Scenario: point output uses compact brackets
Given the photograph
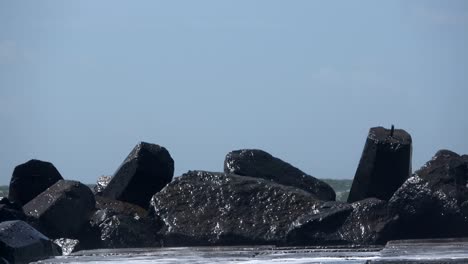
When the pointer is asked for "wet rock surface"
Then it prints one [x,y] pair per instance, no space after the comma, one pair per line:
[369,223]
[448,172]
[145,171]
[21,243]
[207,208]
[319,226]
[118,224]
[384,165]
[258,163]
[426,213]
[124,230]
[30,179]
[366,222]
[62,209]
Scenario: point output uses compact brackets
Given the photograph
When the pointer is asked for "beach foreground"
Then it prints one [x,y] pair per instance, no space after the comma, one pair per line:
[402,251]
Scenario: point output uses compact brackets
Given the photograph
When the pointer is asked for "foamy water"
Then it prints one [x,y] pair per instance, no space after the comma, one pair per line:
[252,255]
[266,254]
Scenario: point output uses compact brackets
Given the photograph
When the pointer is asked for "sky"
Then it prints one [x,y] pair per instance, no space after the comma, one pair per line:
[82,82]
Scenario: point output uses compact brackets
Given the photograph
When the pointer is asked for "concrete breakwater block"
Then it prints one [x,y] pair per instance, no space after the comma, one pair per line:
[21,243]
[447,171]
[260,164]
[146,170]
[30,179]
[385,164]
[203,208]
[62,209]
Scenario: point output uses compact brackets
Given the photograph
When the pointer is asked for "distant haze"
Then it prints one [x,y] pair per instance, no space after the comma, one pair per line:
[82,82]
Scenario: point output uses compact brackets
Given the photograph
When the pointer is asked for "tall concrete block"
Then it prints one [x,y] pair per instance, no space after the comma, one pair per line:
[384,166]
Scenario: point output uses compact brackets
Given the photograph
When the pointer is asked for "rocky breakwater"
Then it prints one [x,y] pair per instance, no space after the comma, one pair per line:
[121,219]
[386,206]
[68,214]
[258,199]
[268,202]
[203,208]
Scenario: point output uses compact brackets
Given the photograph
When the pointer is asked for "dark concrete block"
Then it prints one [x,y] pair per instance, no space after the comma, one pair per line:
[146,170]
[426,213]
[207,208]
[62,209]
[21,243]
[366,222]
[30,179]
[258,163]
[320,226]
[370,223]
[125,230]
[448,172]
[385,164]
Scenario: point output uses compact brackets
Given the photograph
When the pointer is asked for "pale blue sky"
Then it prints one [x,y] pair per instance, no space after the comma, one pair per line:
[82,82]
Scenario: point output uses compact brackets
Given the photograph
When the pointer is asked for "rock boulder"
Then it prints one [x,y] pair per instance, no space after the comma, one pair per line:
[385,164]
[206,208]
[124,229]
[30,179]
[448,172]
[369,223]
[21,243]
[117,224]
[145,171]
[366,222]
[319,226]
[426,213]
[260,164]
[62,209]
